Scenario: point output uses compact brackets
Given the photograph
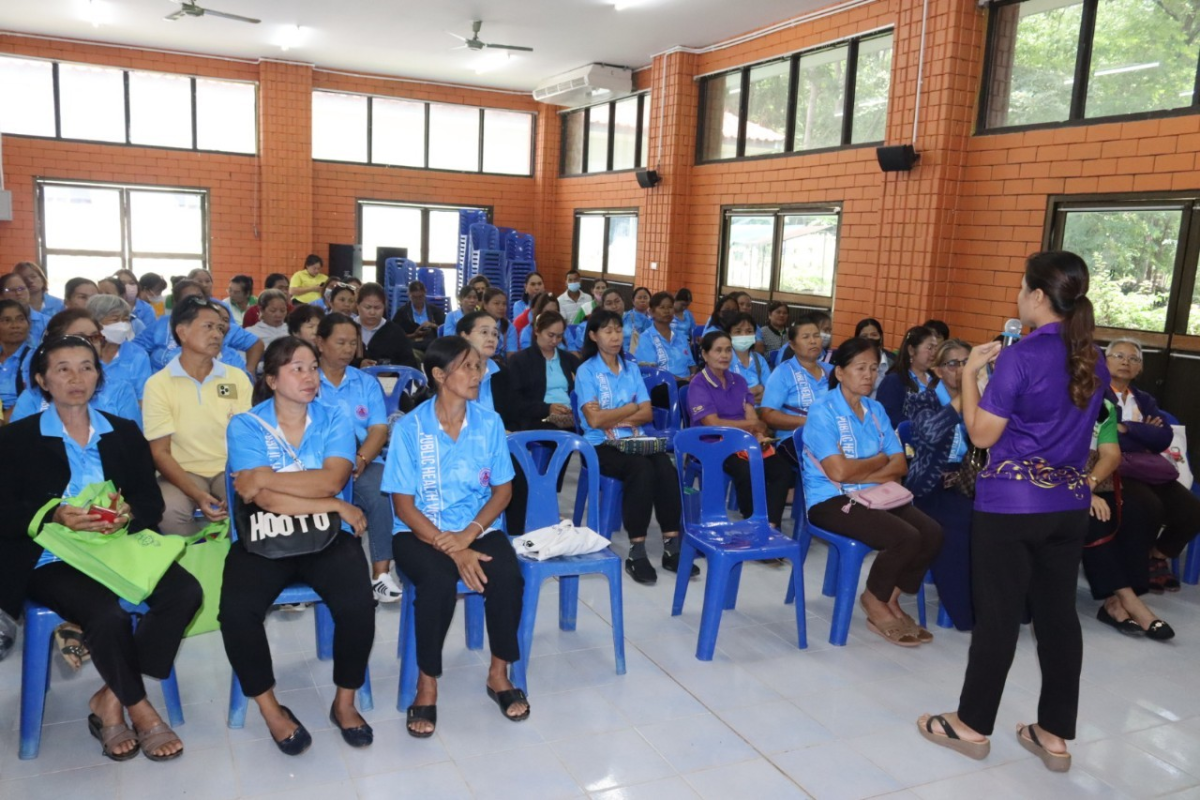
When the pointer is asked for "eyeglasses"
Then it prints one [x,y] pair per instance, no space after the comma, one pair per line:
[957,363]
[1124,357]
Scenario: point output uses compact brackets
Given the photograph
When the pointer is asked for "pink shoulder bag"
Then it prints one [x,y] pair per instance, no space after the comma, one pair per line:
[881,497]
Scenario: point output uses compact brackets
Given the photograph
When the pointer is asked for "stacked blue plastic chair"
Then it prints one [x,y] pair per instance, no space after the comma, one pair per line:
[435,287]
[727,544]
[542,510]
[612,491]
[466,218]
[406,379]
[843,564]
[398,274]
[517,272]
[295,594]
[40,623]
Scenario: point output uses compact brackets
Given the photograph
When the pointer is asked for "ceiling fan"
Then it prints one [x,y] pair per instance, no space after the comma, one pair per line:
[189,8]
[475,43]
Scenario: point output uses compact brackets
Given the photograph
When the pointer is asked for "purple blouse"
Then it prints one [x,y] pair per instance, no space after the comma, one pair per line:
[707,396]
[1037,464]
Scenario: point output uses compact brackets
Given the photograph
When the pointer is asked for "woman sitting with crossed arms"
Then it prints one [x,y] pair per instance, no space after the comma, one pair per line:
[796,383]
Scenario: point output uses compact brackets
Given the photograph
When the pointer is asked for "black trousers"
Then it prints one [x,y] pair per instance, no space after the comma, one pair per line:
[907,541]
[339,574]
[647,482]
[780,479]
[1174,507]
[1017,558]
[1120,562]
[121,654]
[435,576]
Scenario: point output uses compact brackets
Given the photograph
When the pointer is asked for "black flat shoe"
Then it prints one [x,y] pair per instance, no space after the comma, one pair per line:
[1125,626]
[506,699]
[670,562]
[422,714]
[1160,631]
[299,741]
[361,736]
[641,570]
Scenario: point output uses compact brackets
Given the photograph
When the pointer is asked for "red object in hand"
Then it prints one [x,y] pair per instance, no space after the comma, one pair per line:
[106,514]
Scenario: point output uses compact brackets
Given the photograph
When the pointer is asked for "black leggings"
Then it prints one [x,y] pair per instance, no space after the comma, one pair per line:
[1169,505]
[121,654]
[647,482]
[780,479]
[435,576]
[339,574]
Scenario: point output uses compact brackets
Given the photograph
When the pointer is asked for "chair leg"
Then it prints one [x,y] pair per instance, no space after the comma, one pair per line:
[35,679]
[170,690]
[616,604]
[921,618]
[366,699]
[716,588]
[568,602]
[829,589]
[687,554]
[943,619]
[796,590]
[474,621]
[237,704]
[408,651]
[580,502]
[735,580]
[324,624]
[519,671]
[849,568]
[1191,567]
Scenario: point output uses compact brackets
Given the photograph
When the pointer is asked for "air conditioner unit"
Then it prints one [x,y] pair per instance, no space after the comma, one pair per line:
[585,85]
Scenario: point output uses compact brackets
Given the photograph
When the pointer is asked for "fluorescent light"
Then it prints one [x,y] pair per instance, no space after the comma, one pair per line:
[96,12]
[1132,68]
[291,36]
[622,5]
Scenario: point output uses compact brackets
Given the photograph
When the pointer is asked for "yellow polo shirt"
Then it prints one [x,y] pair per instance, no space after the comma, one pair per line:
[302,278]
[195,414]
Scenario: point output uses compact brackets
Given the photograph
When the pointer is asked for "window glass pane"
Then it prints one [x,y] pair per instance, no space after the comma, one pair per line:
[573,144]
[597,139]
[645,157]
[160,109]
[766,113]
[625,122]
[165,266]
[397,132]
[1131,254]
[1033,62]
[589,257]
[507,141]
[809,253]
[622,245]
[26,96]
[61,268]
[166,222]
[82,218]
[1143,57]
[453,137]
[821,99]
[872,79]
[391,226]
[91,102]
[751,245]
[339,126]
[443,238]
[722,102]
[226,116]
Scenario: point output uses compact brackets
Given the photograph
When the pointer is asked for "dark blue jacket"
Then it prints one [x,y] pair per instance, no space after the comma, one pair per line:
[932,434]
[1142,437]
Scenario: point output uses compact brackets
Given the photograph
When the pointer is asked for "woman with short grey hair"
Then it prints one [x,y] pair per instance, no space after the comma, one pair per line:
[122,359]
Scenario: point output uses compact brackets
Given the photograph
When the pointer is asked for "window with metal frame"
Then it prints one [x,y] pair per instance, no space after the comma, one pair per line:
[829,97]
[1056,62]
[396,132]
[94,103]
[606,242]
[607,137]
[91,230]
[787,253]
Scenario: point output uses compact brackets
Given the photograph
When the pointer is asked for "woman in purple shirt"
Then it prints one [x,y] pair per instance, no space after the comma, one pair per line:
[1031,509]
[718,396]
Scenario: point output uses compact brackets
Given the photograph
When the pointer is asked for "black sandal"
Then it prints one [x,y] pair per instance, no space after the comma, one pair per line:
[506,698]
[421,714]
[68,638]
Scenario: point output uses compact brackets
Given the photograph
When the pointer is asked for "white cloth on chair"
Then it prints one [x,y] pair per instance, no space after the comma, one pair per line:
[563,539]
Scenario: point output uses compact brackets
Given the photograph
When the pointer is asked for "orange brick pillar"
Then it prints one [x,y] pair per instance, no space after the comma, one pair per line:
[545,193]
[286,167]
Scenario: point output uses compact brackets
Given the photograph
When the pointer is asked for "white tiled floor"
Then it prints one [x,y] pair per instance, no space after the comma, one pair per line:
[762,720]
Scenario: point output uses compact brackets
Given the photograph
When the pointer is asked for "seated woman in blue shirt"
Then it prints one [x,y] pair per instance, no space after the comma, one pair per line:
[638,317]
[612,301]
[534,285]
[12,287]
[71,446]
[718,396]
[910,374]
[14,350]
[940,443]
[661,345]
[479,328]
[725,311]
[871,328]
[121,357]
[495,302]
[614,404]
[748,363]
[291,455]
[36,283]
[468,301]
[450,476]
[360,398]
[683,320]
[156,340]
[546,301]
[849,447]
[797,383]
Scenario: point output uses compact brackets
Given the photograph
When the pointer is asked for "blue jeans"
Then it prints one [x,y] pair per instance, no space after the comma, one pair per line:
[377,506]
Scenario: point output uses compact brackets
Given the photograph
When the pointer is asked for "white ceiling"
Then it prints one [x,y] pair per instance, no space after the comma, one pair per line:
[408,37]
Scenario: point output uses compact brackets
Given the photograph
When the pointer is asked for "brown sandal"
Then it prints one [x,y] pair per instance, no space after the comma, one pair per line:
[950,738]
[895,631]
[911,626]
[155,738]
[112,737]
[1055,762]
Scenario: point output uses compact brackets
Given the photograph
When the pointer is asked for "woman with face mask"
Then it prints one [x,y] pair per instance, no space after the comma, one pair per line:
[122,359]
[746,362]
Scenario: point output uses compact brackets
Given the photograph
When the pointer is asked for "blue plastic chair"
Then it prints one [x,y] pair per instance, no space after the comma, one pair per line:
[843,564]
[40,623]
[406,377]
[407,644]
[726,543]
[666,421]
[612,491]
[542,511]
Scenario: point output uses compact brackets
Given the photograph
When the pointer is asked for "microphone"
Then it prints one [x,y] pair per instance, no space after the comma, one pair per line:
[1012,332]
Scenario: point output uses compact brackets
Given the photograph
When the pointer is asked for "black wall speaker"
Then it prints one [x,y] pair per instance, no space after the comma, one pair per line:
[345,260]
[647,178]
[897,158]
[383,254]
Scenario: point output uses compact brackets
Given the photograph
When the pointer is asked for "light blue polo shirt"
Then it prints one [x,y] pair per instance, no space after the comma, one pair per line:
[51,305]
[84,461]
[792,390]
[684,326]
[130,364]
[833,428]
[674,356]
[37,326]
[758,371]
[144,312]
[637,320]
[595,381]
[360,397]
[485,385]
[506,343]
[449,481]
[9,369]
[161,346]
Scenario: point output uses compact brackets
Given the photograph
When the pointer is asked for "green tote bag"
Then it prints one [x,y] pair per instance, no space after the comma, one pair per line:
[204,557]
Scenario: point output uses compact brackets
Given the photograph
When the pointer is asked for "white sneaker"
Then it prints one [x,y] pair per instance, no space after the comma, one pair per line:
[385,589]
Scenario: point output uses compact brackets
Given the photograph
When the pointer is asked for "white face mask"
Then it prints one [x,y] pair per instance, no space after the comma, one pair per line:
[742,343]
[826,340]
[118,332]
[155,299]
[573,287]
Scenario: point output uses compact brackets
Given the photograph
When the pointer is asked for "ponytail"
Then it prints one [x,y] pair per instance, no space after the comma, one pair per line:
[1064,278]
[1078,327]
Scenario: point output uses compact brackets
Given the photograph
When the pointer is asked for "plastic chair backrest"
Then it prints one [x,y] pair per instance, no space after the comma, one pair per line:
[685,419]
[575,413]
[346,494]
[697,333]
[654,377]
[709,447]
[405,377]
[776,356]
[1168,417]
[904,434]
[542,508]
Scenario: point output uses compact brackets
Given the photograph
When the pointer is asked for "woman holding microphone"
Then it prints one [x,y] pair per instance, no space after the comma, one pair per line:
[1031,509]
